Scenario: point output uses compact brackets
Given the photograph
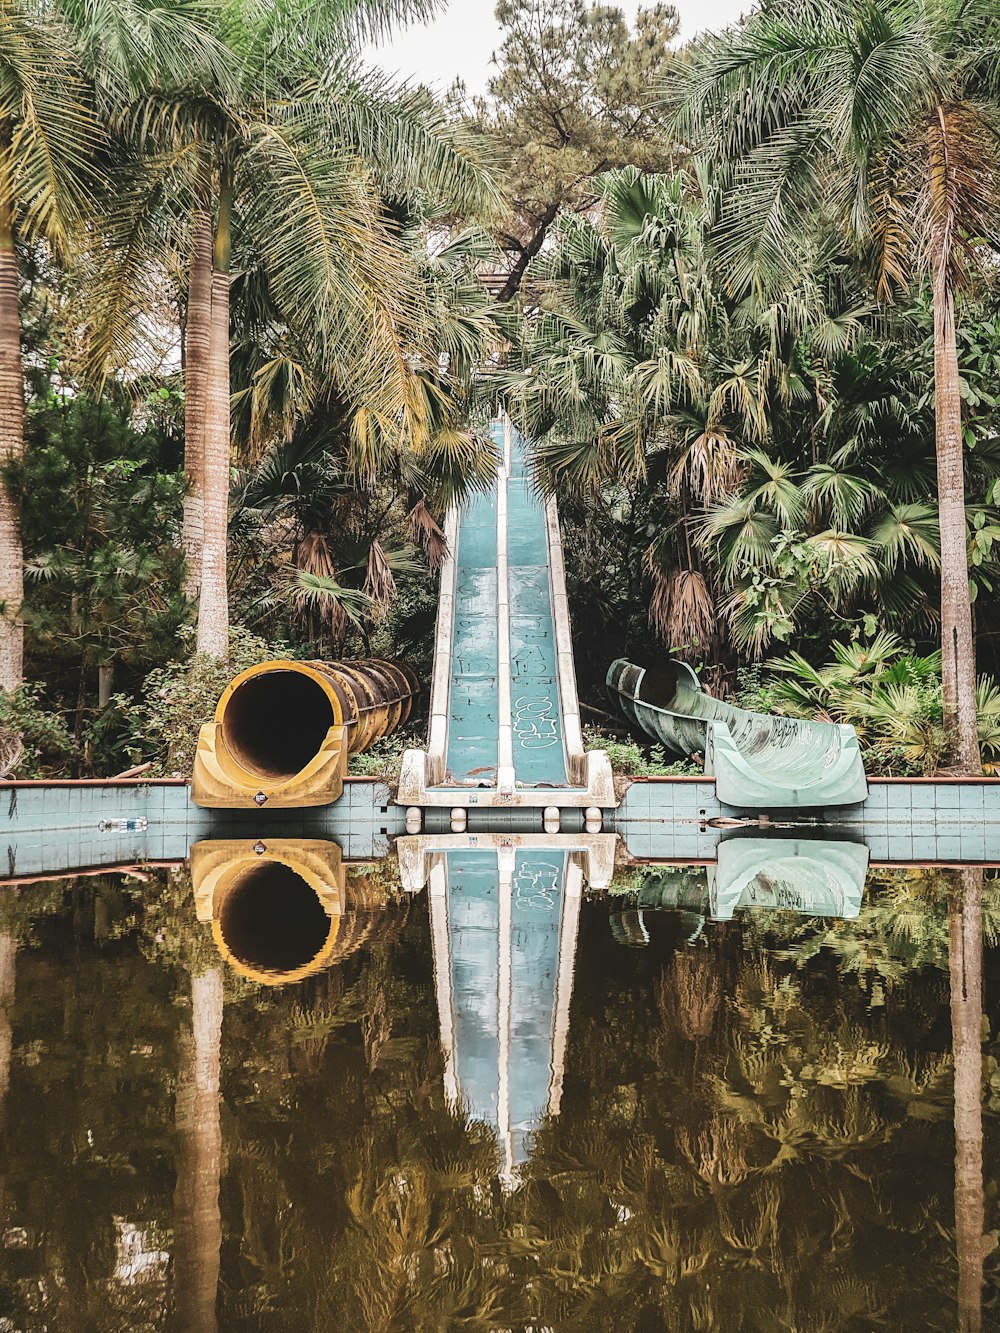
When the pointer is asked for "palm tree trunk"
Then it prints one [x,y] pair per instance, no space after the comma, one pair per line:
[213,605]
[8,975]
[198,1221]
[958,648]
[965,962]
[197,350]
[11,451]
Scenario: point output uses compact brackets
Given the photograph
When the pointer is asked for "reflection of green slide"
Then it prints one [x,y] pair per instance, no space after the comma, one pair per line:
[812,877]
[757,759]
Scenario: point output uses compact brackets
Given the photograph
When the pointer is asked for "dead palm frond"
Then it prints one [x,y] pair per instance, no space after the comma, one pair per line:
[427,534]
[380,585]
[682,609]
[709,467]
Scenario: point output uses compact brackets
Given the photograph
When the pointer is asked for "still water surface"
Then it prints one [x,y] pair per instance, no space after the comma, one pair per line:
[774,1122]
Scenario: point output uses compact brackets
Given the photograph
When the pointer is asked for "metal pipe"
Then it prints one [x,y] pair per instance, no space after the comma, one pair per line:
[283,730]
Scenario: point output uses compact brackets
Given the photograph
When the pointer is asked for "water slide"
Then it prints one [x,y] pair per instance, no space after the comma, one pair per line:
[759,760]
[505,718]
[504,926]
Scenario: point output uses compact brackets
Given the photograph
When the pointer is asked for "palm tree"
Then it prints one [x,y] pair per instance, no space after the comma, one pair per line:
[291,166]
[48,134]
[129,50]
[881,119]
[642,378]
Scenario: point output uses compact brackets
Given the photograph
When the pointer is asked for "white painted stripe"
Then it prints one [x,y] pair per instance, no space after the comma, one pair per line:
[569,928]
[565,669]
[440,703]
[505,866]
[441,943]
[505,748]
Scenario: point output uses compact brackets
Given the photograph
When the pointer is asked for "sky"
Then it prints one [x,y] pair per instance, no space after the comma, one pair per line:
[461,41]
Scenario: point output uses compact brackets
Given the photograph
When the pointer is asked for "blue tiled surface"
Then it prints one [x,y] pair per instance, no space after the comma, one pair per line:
[899,821]
[54,829]
[539,751]
[473,708]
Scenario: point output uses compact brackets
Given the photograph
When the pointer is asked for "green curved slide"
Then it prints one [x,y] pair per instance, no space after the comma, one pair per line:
[759,760]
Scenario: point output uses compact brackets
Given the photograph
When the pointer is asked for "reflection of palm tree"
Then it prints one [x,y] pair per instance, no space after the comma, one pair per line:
[196,1199]
[8,956]
[8,964]
[689,992]
[965,958]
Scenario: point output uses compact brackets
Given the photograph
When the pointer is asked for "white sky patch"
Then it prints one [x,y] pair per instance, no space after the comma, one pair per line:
[461,42]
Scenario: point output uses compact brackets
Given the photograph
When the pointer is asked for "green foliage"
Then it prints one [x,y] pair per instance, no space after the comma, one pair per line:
[48,741]
[631,759]
[337,518]
[747,472]
[383,759]
[101,492]
[162,724]
[754,691]
[892,696]
[570,99]
[743,447]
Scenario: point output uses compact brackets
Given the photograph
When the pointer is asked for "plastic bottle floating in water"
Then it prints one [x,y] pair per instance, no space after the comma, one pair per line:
[139,825]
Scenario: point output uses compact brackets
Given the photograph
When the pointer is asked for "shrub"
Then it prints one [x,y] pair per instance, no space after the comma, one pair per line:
[48,742]
[384,758]
[754,691]
[893,697]
[631,759]
[162,724]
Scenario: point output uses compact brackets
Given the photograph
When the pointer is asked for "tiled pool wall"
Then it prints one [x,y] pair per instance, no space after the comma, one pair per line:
[57,826]
[902,820]
[47,827]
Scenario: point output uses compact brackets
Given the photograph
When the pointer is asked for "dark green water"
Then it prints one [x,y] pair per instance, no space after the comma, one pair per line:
[787,1123]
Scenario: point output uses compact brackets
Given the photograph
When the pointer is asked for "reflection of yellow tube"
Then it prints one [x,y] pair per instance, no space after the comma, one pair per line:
[283,731]
[275,907]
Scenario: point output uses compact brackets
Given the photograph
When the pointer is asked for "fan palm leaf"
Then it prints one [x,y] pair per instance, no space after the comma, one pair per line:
[883,119]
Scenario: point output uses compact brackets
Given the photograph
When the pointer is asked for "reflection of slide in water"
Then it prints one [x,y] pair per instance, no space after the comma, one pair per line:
[504,923]
[813,877]
[505,719]
[758,760]
[504,969]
